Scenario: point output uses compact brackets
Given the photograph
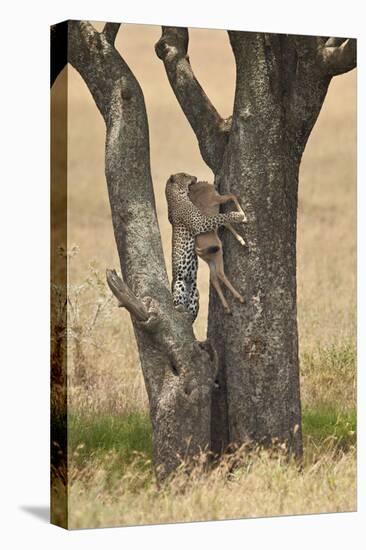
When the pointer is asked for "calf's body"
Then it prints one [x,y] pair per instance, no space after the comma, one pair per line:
[208,245]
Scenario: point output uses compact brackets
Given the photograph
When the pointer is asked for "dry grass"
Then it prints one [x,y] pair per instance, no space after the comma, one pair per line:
[109,426]
[104,374]
[262,486]
[328,377]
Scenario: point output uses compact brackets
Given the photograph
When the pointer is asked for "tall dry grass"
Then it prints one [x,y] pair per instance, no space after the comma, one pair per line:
[111,480]
[262,486]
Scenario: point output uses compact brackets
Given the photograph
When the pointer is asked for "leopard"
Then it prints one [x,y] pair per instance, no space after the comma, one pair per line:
[187,222]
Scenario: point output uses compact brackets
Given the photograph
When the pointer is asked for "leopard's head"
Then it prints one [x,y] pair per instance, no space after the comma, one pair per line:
[178,185]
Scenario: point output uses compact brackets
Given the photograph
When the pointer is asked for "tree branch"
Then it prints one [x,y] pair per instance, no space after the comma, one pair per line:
[318,60]
[110,32]
[211,129]
[339,58]
[120,100]
[327,56]
[332,41]
[152,320]
[87,54]
[125,296]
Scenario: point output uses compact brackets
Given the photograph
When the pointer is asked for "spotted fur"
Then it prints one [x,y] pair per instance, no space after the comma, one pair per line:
[188,221]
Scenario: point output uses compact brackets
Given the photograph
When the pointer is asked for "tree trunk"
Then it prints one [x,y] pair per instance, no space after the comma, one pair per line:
[280,87]
[178,371]
[258,344]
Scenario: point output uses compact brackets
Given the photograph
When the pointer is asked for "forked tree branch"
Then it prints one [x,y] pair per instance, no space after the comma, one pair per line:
[88,52]
[211,129]
[318,60]
[327,56]
[339,58]
[110,32]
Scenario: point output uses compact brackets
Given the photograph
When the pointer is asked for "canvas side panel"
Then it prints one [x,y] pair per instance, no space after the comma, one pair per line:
[59,83]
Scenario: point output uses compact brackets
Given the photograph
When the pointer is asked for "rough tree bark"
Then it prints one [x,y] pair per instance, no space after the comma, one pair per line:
[178,371]
[281,84]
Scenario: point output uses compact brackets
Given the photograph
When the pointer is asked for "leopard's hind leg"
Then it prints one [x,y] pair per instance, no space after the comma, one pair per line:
[184,266]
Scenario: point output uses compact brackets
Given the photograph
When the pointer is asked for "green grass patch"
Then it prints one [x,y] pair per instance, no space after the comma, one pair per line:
[128,436]
[322,424]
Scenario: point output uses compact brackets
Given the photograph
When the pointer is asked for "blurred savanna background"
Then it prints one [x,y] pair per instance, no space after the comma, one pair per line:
[110,475]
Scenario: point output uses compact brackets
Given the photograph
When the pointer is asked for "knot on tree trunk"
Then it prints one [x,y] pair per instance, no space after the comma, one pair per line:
[171,334]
